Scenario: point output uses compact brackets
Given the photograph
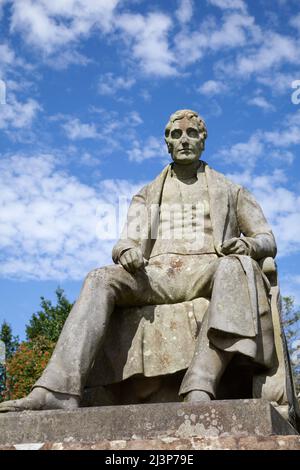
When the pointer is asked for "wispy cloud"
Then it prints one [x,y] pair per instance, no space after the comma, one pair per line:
[49,25]
[295,21]
[148,40]
[274,144]
[49,220]
[261,102]
[212,88]
[151,148]
[115,130]
[185,10]
[229,4]
[281,206]
[274,51]
[17,114]
[77,130]
[233,31]
[109,84]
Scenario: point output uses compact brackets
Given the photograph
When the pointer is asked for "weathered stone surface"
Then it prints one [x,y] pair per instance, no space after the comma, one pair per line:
[197,443]
[144,422]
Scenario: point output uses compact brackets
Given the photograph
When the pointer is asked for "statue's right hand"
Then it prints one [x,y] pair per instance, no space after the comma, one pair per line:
[132,260]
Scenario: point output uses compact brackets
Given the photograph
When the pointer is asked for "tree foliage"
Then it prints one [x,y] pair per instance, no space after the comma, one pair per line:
[48,321]
[27,363]
[291,323]
[11,344]
[26,366]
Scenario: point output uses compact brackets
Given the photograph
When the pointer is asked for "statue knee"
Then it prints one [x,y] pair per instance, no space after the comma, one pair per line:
[96,276]
[104,275]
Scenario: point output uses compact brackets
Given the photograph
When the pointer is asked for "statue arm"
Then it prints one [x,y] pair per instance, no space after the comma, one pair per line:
[135,226]
[258,236]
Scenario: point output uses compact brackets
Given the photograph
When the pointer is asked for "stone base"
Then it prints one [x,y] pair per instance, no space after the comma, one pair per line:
[166,424]
[172,444]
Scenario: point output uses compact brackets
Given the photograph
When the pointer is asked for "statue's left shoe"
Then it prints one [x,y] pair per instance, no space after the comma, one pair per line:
[197,395]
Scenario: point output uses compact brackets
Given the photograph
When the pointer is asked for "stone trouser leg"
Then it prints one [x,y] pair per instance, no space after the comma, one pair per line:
[207,366]
[230,313]
[86,325]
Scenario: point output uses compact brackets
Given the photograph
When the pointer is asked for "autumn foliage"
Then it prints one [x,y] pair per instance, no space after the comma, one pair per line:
[26,366]
[26,361]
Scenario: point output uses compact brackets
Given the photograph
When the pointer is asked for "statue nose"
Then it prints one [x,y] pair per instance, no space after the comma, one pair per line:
[184,140]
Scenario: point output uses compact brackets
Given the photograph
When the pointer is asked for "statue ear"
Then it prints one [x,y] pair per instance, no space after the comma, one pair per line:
[169,146]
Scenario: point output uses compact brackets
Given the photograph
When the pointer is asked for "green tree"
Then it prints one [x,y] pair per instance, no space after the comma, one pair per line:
[48,321]
[11,344]
[291,323]
[28,362]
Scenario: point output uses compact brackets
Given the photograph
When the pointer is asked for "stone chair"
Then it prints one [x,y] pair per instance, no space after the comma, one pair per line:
[148,349]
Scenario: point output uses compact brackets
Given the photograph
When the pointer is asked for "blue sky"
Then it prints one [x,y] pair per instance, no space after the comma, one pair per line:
[90,85]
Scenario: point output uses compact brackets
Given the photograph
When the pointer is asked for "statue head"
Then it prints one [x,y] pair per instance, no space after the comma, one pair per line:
[185,136]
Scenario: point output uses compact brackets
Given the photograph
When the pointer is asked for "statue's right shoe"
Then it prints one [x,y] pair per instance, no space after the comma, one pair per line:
[41,399]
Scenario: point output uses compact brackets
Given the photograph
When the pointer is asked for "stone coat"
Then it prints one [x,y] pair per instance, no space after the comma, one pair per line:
[233,211]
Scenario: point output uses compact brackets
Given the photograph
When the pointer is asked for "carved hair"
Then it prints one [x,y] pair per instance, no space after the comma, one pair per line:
[192,116]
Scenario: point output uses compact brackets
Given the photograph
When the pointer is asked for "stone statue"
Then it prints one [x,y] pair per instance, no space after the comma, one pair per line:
[159,260]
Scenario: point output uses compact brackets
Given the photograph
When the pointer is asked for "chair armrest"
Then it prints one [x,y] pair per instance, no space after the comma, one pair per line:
[269,268]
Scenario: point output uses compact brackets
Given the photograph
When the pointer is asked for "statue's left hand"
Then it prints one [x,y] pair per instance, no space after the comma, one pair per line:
[234,246]
[132,260]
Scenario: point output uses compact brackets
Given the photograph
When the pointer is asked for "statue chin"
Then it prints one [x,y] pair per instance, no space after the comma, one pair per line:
[185,159]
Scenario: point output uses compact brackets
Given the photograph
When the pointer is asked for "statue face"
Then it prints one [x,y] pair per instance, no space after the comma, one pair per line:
[185,142]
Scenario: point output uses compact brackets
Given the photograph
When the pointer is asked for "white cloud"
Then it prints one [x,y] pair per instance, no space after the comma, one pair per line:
[235,30]
[148,39]
[2,2]
[115,130]
[229,4]
[16,114]
[272,144]
[275,51]
[50,222]
[295,21]
[109,84]
[7,58]
[262,103]
[212,88]
[288,134]
[151,148]
[281,206]
[244,154]
[77,130]
[55,28]
[185,10]
[50,25]
[279,82]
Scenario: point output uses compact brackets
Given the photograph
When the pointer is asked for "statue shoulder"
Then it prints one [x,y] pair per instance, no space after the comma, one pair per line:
[221,180]
[155,186]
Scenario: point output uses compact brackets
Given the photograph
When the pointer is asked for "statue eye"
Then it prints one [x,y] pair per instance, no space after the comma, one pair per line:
[193,133]
[176,133]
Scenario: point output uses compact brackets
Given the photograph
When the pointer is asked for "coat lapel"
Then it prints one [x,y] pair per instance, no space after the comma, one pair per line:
[219,205]
[154,195]
[155,188]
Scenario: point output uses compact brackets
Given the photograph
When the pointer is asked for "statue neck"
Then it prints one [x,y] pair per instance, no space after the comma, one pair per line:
[184,172]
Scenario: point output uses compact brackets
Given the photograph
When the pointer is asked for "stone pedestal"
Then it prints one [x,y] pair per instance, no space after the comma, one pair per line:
[162,424]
